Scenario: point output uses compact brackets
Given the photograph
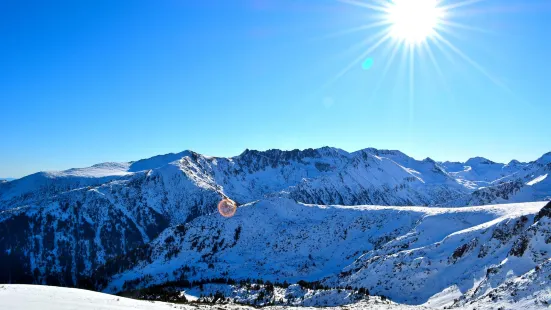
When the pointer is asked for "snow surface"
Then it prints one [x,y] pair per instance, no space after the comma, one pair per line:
[537,180]
[406,253]
[33,297]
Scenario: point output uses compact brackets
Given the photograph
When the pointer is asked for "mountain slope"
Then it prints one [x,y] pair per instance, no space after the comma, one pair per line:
[529,183]
[531,290]
[407,253]
[61,238]
[415,274]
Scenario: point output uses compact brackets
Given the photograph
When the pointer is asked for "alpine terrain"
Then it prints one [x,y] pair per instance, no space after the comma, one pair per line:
[316,227]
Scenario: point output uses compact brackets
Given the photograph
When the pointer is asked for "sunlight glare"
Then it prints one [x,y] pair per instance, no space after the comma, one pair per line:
[413,21]
[413,27]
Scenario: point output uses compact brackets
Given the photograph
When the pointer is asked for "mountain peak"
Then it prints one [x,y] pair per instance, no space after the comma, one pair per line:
[157,161]
[383,153]
[514,163]
[479,161]
[544,159]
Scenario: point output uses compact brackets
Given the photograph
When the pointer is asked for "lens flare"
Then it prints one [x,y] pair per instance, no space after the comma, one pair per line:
[366,65]
[227,207]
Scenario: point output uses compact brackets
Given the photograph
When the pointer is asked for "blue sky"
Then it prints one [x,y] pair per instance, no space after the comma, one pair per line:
[83,82]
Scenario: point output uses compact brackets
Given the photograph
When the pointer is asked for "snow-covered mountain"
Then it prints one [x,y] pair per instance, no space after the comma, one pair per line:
[480,258]
[406,253]
[66,234]
[514,182]
[130,225]
[323,176]
[481,170]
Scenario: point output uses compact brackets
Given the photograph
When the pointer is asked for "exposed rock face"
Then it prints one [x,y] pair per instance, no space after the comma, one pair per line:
[544,212]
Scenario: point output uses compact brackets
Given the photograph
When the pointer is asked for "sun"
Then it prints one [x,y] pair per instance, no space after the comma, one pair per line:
[412,32]
[413,21]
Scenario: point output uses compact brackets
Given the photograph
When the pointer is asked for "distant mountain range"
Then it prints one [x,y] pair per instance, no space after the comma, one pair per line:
[322,176]
[152,221]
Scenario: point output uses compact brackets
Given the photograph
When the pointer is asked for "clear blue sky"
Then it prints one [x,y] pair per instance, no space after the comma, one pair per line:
[83,82]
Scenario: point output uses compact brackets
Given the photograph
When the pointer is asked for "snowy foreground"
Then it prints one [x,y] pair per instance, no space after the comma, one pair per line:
[34,297]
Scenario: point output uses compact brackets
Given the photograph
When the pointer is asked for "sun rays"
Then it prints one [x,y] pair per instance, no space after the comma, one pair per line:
[416,29]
